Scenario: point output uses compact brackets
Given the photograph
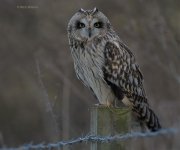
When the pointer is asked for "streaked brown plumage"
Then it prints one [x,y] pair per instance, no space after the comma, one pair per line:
[106,65]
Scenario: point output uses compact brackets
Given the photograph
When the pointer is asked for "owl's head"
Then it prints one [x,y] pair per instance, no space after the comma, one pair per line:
[85,25]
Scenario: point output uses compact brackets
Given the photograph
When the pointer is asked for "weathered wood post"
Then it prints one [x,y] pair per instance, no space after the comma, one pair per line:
[111,121]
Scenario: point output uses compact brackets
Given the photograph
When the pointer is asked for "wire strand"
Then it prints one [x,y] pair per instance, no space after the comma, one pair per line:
[94,138]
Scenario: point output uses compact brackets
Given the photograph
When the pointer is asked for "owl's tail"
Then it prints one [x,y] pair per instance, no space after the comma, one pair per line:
[147,116]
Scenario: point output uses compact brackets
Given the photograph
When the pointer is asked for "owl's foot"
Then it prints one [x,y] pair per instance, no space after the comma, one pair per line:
[98,104]
[102,105]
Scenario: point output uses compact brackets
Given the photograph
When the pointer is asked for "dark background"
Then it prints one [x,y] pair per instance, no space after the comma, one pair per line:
[40,96]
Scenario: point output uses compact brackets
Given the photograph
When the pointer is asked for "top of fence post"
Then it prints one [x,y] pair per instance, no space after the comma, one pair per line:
[111,121]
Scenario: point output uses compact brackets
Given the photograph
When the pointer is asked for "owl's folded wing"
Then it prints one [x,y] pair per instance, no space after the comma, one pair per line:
[121,72]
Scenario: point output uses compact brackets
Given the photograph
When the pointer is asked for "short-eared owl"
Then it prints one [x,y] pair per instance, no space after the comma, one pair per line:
[106,65]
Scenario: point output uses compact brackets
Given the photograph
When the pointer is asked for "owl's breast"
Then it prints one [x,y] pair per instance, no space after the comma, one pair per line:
[89,61]
[88,64]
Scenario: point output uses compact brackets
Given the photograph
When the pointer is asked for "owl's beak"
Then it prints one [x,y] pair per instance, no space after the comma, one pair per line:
[89,32]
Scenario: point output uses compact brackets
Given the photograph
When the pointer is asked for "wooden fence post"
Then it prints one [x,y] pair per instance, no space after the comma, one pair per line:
[111,121]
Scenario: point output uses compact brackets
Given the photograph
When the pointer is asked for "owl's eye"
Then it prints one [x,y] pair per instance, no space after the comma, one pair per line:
[98,25]
[80,25]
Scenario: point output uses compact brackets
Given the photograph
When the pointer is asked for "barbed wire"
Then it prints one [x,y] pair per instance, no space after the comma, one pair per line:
[94,138]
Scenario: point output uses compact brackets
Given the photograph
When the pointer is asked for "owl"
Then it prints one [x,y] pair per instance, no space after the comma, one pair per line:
[107,66]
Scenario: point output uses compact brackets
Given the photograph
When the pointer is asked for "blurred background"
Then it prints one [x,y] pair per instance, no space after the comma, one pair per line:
[41,100]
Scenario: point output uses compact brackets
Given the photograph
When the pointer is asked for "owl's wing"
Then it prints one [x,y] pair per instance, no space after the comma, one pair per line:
[121,72]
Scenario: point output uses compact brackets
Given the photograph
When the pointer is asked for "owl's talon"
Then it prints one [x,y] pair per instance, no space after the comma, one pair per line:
[98,104]
[101,105]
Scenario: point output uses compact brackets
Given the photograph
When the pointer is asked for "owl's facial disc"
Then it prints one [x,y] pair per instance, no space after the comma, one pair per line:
[89,27]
